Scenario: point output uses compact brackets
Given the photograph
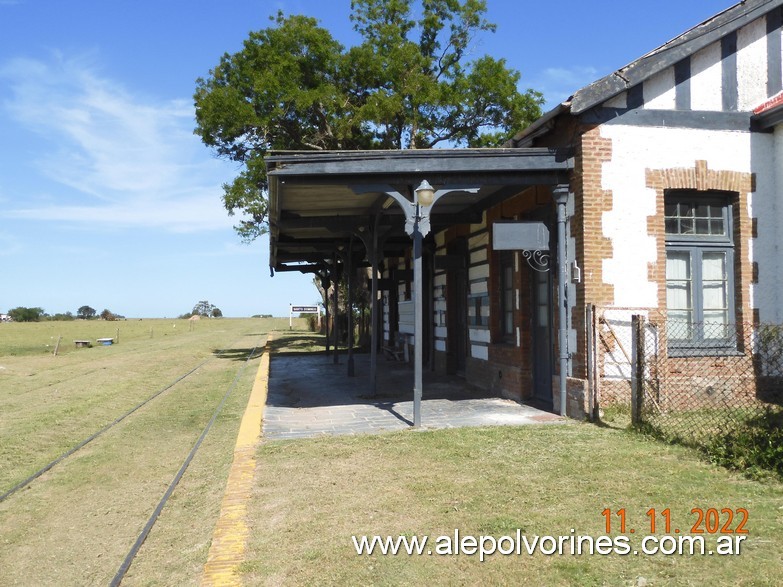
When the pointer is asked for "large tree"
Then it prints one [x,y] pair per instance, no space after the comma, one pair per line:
[408,84]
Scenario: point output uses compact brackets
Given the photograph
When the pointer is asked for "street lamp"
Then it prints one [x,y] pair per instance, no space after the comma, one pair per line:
[425,194]
[417,225]
[424,198]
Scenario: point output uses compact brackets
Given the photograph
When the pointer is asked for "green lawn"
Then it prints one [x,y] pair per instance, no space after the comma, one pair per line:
[313,495]
[75,524]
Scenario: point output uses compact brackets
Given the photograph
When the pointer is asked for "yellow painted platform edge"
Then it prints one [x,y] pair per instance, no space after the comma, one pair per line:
[229,538]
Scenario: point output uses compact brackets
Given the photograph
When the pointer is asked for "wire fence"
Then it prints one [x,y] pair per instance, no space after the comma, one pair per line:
[688,381]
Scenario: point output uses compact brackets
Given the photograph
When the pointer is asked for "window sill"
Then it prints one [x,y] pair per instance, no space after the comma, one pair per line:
[686,352]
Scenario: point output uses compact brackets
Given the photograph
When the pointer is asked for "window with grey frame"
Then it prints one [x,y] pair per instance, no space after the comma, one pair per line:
[506,264]
[699,272]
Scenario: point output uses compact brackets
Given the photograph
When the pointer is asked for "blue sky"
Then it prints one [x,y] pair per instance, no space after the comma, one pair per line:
[108,199]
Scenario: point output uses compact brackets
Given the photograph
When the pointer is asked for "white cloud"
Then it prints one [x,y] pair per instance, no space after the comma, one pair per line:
[128,160]
[559,83]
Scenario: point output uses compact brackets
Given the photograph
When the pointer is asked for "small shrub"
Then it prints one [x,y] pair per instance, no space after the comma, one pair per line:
[754,447]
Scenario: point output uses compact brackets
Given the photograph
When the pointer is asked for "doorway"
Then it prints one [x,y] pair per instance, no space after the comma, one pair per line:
[543,350]
[457,308]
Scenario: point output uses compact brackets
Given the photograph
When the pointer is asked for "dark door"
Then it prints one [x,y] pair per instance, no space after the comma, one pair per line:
[457,309]
[542,335]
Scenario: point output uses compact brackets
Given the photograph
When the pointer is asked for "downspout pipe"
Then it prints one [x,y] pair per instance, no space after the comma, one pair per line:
[560,194]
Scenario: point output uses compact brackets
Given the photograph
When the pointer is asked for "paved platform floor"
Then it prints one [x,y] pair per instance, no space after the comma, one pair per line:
[310,396]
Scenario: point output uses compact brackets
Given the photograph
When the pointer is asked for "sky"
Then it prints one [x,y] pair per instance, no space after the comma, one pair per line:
[108,199]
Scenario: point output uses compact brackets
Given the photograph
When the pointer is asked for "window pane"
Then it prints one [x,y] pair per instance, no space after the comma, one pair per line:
[714,292]
[716,324]
[679,325]
[703,210]
[679,304]
[713,266]
[714,296]
[678,296]
[702,226]
[678,265]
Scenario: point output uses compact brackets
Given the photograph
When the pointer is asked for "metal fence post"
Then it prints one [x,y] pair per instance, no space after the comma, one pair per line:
[590,361]
[637,368]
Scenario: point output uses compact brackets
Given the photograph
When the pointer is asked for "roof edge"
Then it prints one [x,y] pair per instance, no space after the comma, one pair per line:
[669,53]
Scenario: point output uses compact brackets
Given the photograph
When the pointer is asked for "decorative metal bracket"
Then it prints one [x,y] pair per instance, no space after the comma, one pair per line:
[538,260]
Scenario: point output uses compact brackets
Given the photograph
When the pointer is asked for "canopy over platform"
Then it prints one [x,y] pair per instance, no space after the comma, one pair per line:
[318,200]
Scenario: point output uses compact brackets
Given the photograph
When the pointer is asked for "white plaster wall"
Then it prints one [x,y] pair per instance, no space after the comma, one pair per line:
[707,79]
[772,311]
[479,352]
[479,256]
[479,287]
[478,272]
[752,65]
[659,92]
[637,148]
[480,240]
[479,335]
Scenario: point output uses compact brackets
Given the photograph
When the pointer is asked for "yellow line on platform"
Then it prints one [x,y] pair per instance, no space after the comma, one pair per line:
[229,538]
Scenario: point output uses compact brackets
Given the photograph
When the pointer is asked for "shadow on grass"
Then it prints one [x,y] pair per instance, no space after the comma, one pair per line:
[240,354]
[298,344]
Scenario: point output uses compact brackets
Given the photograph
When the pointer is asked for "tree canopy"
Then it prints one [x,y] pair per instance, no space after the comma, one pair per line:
[407,84]
[86,312]
[204,308]
[23,314]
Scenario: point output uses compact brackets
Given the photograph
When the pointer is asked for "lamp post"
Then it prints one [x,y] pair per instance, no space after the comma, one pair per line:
[424,196]
[417,225]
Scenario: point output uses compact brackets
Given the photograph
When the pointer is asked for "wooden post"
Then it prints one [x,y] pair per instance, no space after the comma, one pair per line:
[637,368]
[57,346]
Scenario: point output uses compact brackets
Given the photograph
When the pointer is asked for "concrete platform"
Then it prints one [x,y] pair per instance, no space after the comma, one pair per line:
[310,396]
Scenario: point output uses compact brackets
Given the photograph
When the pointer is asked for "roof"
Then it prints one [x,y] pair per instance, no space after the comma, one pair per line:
[668,54]
[770,113]
[773,103]
[322,200]
[665,56]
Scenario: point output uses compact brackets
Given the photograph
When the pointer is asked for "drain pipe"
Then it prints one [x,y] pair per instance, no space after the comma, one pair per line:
[560,194]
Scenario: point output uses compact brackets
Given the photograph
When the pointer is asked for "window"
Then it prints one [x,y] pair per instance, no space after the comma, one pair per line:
[507,331]
[699,271]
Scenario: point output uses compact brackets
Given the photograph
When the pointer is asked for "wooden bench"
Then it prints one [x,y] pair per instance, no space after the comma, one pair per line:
[82,344]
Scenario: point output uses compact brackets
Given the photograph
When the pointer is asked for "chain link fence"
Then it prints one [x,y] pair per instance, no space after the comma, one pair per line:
[688,381]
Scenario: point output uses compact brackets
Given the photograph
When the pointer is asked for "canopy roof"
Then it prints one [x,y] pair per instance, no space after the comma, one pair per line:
[319,200]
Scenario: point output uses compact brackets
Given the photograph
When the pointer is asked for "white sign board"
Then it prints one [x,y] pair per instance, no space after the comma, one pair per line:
[520,236]
[302,310]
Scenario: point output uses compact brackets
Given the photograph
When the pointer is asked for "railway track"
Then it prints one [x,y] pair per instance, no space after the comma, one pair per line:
[132,415]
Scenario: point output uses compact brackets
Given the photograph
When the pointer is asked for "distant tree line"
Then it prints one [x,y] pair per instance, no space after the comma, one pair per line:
[22,314]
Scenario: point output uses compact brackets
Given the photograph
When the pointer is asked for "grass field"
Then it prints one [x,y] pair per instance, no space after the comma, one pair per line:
[74,525]
[549,480]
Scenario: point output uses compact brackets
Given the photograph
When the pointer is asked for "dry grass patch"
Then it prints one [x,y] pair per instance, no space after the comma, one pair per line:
[75,524]
[313,495]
